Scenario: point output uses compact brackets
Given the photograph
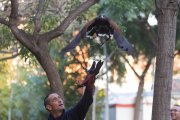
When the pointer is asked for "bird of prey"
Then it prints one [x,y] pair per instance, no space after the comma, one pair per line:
[98,27]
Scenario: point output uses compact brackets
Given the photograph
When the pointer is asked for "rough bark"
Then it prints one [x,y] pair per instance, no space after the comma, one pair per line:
[167,18]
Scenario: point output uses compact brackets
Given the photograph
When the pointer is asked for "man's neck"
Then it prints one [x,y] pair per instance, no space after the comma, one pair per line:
[56,114]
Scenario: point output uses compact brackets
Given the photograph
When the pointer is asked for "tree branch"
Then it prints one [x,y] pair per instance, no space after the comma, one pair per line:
[11,57]
[72,15]
[24,38]
[3,21]
[37,20]
[144,71]
[130,66]
[84,67]
[147,67]
[20,35]
[8,51]
[14,11]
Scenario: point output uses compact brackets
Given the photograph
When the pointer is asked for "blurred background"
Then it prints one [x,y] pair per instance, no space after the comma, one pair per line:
[124,86]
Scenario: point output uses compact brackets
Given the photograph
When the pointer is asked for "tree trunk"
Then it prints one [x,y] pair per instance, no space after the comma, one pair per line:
[138,100]
[49,67]
[39,47]
[38,43]
[140,87]
[167,18]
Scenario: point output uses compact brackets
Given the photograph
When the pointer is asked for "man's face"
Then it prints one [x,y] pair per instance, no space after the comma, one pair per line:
[55,102]
[175,113]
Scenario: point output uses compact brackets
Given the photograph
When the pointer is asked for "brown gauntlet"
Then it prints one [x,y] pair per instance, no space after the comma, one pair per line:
[91,76]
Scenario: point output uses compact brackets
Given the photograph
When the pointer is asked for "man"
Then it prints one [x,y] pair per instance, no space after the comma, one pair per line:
[55,105]
[175,112]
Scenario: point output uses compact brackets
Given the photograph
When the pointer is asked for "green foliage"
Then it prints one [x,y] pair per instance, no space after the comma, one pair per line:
[72,4]
[5,103]
[118,9]
[28,95]
[4,90]
[31,85]
[133,16]
[71,95]
[140,38]
[88,15]
[99,106]
[6,38]
[178,35]
[27,56]
[22,93]
[49,22]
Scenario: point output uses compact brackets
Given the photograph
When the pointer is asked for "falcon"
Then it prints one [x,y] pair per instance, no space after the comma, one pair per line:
[101,27]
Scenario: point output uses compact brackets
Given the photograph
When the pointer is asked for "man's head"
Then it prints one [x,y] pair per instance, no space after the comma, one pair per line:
[175,112]
[53,103]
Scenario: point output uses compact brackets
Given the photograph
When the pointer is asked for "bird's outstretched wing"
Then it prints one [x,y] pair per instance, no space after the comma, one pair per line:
[77,39]
[73,43]
[121,41]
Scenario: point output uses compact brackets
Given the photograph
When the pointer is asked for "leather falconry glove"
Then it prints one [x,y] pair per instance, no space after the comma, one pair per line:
[91,76]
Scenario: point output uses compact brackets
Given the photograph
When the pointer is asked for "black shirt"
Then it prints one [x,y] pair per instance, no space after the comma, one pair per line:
[78,112]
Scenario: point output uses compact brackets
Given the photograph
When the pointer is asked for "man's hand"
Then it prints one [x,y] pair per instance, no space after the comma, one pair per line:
[95,67]
[90,78]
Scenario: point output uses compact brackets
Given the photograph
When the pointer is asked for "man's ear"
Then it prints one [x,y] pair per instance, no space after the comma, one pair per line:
[48,107]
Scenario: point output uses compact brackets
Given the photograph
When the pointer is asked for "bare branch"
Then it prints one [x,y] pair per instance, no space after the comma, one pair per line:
[131,66]
[105,72]
[110,55]
[37,21]
[3,21]
[14,11]
[20,35]
[8,51]
[61,5]
[144,71]
[67,21]
[84,67]
[147,67]
[24,38]
[11,57]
